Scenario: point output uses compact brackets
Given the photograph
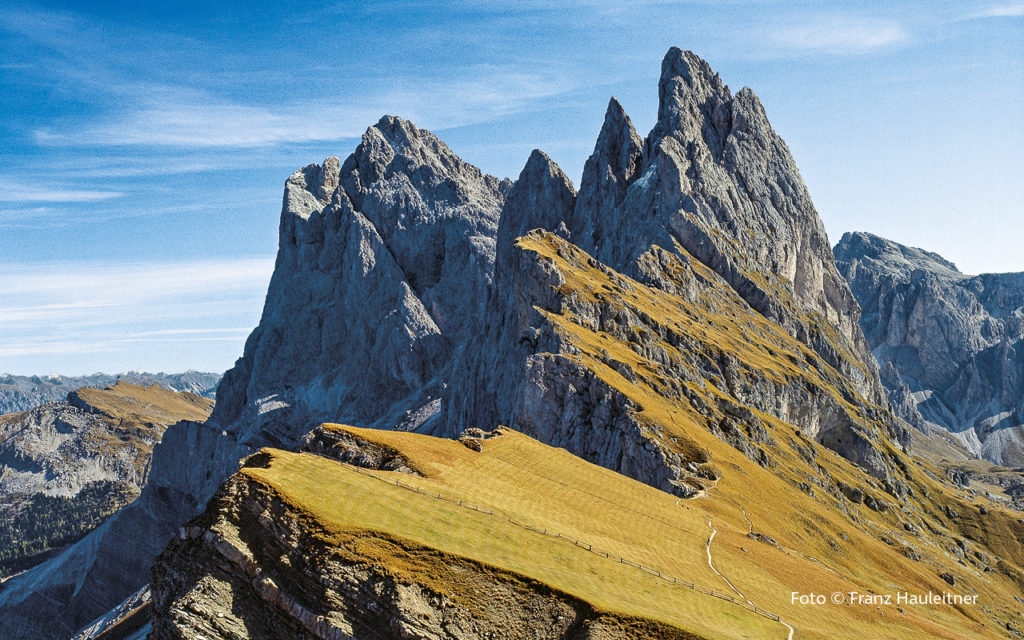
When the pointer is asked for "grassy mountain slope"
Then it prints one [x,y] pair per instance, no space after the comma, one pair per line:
[797,491]
[413,534]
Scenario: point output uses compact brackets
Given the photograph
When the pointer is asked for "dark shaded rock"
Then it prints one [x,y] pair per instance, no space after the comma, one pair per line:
[853,494]
[876,504]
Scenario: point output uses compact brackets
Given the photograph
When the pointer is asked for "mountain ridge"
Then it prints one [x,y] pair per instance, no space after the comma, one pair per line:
[89,455]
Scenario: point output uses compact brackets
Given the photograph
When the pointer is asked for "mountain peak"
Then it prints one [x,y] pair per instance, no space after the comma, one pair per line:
[400,132]
[685,77]
[615,115]
[616,161]
[543,196]
[689,66]
[618,143]
[858,245]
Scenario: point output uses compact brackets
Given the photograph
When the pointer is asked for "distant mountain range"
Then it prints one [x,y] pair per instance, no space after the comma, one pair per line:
[20,393]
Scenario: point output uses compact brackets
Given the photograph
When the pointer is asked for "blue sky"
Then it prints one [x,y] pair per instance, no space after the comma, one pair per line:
[143,147]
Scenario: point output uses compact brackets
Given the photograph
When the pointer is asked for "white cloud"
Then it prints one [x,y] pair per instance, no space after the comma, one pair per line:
[191,308]
[1003,11]
[839,35]
[76,297]
[103,283]
[170,116]
[15,192]
[91,167]
[43,346]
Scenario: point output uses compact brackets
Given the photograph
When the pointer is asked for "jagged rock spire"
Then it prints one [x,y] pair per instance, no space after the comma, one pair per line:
[614,164]
[686,79]
[543,197]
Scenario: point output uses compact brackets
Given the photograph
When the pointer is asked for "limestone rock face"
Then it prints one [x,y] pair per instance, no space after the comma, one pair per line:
[950,344]
[714,177]
[50,450]
[616,162]
[575,354]
[389,257]
[491,367]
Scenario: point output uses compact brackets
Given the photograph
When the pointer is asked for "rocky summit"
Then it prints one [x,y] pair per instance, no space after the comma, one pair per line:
[673,352]
[708,211]
[951,346]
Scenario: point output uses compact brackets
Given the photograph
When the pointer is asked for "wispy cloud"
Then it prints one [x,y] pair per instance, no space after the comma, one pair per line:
[77,308]
[63,215]
[75,296]
[839,35]
[209,107]
[43,346]
[91,167]
[178,117]
[1002,11]
[130,283]
[15,192]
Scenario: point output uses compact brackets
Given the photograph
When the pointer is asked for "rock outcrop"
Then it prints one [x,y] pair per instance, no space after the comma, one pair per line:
[951,345]
[714,177]
[383,268]
[586,356]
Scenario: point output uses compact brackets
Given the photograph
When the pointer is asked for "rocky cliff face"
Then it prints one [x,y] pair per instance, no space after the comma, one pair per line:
[594,361]
[714,177]
[389,257]
[711,198]
[950,344]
